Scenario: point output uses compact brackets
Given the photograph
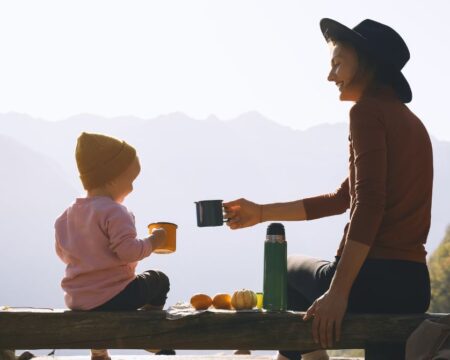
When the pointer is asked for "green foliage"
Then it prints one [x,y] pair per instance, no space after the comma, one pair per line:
[439,267]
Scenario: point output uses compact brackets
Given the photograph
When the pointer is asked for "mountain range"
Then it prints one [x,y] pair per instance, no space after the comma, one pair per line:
[183,160]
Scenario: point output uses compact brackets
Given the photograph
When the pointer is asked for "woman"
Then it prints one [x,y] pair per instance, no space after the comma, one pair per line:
[380,264]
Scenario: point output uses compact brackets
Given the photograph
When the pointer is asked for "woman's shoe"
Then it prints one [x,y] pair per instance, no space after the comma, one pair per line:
[166,352]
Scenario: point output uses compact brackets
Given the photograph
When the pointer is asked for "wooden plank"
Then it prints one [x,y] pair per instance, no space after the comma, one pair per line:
[234,330]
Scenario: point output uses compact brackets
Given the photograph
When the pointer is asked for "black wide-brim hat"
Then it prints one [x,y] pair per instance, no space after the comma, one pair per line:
[379,41]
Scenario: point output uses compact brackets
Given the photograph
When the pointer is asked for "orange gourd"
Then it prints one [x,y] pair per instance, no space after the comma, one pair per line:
[222,301]
[201,301]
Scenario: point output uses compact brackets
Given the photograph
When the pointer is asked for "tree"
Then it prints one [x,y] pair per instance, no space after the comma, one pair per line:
[439,267]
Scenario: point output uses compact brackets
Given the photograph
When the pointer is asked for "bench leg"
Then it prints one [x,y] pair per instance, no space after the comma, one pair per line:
[385,352]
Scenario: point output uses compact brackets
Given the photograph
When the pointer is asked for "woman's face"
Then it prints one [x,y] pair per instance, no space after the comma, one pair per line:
[344,72]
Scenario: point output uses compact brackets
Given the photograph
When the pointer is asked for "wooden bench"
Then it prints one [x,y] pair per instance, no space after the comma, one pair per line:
[63,329]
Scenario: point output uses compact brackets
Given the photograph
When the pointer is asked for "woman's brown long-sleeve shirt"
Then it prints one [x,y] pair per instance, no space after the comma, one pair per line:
[390,181]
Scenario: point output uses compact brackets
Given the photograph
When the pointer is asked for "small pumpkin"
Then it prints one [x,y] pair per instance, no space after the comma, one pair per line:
[222,301]
[201,301]
[243,299]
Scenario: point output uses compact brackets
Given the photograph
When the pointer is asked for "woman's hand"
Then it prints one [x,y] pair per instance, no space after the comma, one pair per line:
[242,213]
[329,309]
[327,312]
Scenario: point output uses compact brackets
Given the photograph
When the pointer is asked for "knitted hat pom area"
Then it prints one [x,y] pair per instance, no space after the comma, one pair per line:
[101,158]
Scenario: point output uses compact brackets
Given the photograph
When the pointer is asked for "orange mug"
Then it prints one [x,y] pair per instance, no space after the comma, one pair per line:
[171,236]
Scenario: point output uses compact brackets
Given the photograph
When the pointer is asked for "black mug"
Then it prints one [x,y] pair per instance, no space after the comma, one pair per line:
[209,213]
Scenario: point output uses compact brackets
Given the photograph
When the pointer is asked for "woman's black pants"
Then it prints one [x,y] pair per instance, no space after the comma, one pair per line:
[382,286]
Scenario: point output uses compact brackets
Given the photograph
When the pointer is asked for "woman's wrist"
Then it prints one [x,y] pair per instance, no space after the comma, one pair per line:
[290,211]
[352,259]
[341,291]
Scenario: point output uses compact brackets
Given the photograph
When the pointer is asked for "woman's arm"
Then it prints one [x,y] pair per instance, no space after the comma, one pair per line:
[287,211]
[329,204]
[329,309]
[353,256]
[368,136]
[243,213]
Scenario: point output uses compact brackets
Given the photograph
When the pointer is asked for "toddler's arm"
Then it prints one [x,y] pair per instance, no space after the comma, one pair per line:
[123,239]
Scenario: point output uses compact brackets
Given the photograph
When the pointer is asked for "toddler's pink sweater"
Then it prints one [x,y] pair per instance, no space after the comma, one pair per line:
[96,238]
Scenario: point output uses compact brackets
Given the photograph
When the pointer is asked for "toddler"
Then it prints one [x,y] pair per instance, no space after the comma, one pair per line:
[96,236]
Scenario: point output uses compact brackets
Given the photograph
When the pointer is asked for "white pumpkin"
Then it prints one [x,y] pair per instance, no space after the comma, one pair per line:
[243,299]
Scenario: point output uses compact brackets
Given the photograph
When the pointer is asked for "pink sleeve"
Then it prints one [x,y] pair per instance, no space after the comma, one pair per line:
[329,204]
[121,232]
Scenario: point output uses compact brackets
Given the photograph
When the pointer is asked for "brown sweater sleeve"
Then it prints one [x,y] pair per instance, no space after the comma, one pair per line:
[368,140]
[329,204]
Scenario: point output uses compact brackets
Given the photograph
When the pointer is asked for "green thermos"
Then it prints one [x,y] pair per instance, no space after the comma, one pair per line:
[275,269]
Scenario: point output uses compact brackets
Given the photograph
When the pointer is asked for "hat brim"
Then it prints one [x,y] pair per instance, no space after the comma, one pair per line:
[334,30]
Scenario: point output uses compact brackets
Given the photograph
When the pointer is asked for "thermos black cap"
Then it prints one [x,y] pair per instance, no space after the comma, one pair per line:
[275,229]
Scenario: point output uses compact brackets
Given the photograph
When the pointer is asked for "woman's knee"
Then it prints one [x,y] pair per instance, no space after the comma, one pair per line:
[309,276]
[301,269]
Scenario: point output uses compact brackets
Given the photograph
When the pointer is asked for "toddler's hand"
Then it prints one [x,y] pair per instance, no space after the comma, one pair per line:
[158,238]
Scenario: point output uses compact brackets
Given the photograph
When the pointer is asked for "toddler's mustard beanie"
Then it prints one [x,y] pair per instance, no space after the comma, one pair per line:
[101,158]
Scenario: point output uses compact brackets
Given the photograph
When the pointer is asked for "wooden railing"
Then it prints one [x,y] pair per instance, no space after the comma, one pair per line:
[61,329]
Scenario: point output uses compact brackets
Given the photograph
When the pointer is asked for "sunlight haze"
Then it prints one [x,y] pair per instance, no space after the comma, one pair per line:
[147,58]
[221,99]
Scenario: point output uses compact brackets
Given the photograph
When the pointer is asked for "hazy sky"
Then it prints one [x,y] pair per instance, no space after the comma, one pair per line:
[145,58]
